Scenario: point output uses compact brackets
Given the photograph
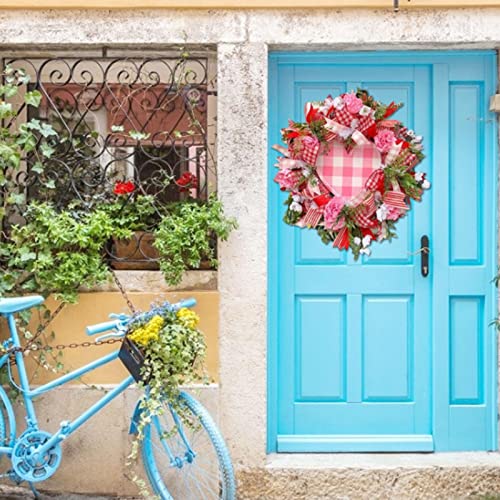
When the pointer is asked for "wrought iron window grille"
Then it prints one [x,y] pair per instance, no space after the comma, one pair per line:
[120,119]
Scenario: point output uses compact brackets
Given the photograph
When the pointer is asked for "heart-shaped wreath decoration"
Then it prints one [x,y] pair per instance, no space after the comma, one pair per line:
[350,170]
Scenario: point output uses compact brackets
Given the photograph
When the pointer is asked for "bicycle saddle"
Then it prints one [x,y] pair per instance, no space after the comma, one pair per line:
[16,304]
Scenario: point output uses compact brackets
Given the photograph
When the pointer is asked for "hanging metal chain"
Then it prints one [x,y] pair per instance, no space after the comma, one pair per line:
[32,346]
[59,347]
[123,292]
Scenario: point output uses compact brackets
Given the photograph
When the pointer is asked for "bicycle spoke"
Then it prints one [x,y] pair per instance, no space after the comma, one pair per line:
[201,473]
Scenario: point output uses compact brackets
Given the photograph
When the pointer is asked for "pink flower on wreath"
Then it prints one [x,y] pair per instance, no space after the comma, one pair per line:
[287,179]
[384,140]
[353,103]
[332,212]
[393,213]
[310,141]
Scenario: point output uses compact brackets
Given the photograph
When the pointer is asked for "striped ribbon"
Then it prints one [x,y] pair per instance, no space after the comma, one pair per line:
[341,241]
[281,149]
[363,216]
[343,131]
[359,138]
[392,154]
[395,199]
[312,217]
[370,205]
[289,163]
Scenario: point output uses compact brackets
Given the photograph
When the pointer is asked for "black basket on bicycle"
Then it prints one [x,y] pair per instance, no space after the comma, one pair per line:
[132,357]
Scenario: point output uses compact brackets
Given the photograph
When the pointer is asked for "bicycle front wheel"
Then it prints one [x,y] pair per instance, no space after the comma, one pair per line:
[187,459]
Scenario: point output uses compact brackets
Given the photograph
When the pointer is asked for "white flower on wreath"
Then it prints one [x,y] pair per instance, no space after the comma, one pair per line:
[306,172]
[420,178]
[338,103]
[382,235]
[367,240]
[366,111]
[363,244]
[354,123]
[327,104]
[295,207]
[382,212]
[345,132]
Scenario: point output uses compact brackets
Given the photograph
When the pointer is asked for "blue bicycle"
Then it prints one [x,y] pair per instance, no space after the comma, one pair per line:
[183,460]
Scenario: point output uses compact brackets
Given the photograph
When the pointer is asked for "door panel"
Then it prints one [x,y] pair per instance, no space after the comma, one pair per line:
[371,355]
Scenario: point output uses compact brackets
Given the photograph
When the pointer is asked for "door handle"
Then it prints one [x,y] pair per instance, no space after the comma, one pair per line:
[424,255]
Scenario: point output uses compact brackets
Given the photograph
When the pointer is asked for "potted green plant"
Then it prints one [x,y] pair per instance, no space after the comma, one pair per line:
[137,214]
[171,237]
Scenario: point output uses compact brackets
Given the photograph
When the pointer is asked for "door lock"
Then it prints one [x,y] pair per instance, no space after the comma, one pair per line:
[424,255]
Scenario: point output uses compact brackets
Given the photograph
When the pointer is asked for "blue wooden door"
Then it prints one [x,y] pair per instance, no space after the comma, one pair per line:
[371,355]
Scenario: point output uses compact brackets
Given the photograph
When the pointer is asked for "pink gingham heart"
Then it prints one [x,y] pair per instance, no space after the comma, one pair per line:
[344,172]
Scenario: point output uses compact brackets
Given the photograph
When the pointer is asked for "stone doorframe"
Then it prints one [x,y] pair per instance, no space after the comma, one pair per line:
[243,38]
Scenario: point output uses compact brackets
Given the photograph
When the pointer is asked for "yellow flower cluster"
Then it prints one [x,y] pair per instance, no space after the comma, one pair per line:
[188,318]
[148,332]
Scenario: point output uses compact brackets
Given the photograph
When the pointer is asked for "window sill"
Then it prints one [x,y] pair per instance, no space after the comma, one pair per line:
[153,281]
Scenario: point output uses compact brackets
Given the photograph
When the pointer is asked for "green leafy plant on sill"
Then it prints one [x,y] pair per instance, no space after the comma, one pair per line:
[185,236]
[132,214]
[184,232]
[58,252]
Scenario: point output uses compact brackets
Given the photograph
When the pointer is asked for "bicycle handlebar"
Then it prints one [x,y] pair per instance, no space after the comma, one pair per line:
[102,327]
[185,303]
[122,319]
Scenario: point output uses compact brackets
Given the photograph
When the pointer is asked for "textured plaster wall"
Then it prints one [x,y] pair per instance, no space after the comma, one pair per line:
[314,28]
[242,280]
[95,456]
[242,39]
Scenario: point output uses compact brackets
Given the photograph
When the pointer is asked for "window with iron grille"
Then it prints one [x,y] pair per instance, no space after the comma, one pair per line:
[146,122]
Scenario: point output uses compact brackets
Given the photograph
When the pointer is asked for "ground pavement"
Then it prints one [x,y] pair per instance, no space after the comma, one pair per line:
[8,492]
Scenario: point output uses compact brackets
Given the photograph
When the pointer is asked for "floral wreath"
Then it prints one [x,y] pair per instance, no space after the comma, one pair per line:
[350,170]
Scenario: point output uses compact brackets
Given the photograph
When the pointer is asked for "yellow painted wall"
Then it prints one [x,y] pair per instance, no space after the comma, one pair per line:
[241,4]
[95,307]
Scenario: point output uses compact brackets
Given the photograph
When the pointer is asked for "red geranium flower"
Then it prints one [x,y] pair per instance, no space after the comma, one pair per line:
[187,181]
[123,188]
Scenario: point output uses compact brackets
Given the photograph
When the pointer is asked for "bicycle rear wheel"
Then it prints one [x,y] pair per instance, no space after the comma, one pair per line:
[187,460]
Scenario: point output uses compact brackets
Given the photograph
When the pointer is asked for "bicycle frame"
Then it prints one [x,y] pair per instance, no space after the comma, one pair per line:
[66,427]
